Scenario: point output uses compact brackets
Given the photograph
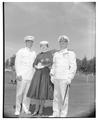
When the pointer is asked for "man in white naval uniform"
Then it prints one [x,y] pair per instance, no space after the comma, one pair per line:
[24,72]
[62,72]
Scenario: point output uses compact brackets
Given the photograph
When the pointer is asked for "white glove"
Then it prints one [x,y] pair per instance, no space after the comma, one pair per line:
[68,82]
[51,74]
[39,66]
[19,78]
[52,79]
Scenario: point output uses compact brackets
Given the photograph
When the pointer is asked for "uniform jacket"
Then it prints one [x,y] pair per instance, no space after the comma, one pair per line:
[24,63]
[64,65]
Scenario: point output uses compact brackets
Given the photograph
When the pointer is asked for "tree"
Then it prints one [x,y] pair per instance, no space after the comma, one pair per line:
[92,65]
[84,65]
[94,68]
[12,60]
[79,62]
[7,63]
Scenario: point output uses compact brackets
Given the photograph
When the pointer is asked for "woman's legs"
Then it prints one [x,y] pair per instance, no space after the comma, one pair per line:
[41,106]
[36,107]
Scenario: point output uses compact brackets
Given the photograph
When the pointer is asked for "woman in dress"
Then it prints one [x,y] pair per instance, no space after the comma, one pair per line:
[41,87]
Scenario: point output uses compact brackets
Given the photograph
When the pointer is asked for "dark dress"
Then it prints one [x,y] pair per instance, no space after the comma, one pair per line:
[41,87]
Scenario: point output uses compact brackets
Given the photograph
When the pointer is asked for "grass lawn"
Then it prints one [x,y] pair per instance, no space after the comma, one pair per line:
[81,96]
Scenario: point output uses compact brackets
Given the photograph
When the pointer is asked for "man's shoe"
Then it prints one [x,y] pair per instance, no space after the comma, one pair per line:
[17,113]
[51,116]
[27,112]
[54,115]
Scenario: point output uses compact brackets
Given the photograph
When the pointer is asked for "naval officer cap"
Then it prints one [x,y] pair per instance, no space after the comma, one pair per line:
[29,38]
[63,38]
[44,43]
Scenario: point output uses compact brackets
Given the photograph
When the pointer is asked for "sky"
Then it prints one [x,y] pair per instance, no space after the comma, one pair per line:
[46,21]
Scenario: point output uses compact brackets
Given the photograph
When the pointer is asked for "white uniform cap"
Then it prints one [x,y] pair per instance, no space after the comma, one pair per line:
[31,38]
[63,37]
[44,43]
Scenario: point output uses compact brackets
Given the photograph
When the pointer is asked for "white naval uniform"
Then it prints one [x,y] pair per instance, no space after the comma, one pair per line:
[63,71]
[24,67]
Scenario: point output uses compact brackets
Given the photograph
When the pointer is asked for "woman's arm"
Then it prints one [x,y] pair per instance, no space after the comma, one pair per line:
[35,62]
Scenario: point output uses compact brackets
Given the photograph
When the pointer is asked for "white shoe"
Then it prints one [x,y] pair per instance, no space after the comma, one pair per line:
[51,116]
[17,113]
[55,114]
[25,110]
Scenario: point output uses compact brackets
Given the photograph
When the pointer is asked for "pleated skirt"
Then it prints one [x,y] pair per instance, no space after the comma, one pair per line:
[41,86]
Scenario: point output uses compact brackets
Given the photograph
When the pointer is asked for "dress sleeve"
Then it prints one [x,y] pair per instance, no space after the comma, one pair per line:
[36,61]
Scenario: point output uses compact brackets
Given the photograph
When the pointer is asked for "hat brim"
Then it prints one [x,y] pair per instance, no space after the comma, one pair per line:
[29,40]
[65,40]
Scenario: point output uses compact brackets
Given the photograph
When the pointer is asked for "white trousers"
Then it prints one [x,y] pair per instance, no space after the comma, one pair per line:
[60,109]
[21,95]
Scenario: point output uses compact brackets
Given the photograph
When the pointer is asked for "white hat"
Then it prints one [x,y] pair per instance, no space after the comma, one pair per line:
[44,43]
[63,37]
[31,38]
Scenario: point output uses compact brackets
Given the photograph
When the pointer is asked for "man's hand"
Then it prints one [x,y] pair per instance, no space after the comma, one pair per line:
[68,82]
[52,79]
[19,78]
[51,74]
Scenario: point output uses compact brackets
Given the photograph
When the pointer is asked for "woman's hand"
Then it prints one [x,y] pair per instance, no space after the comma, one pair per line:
[19,78]
[39,66]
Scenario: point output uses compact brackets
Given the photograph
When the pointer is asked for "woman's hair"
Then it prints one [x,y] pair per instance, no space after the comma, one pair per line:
[44,44]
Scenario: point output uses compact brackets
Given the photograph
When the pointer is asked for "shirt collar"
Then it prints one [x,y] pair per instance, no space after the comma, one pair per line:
[27,48]
[64,51]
